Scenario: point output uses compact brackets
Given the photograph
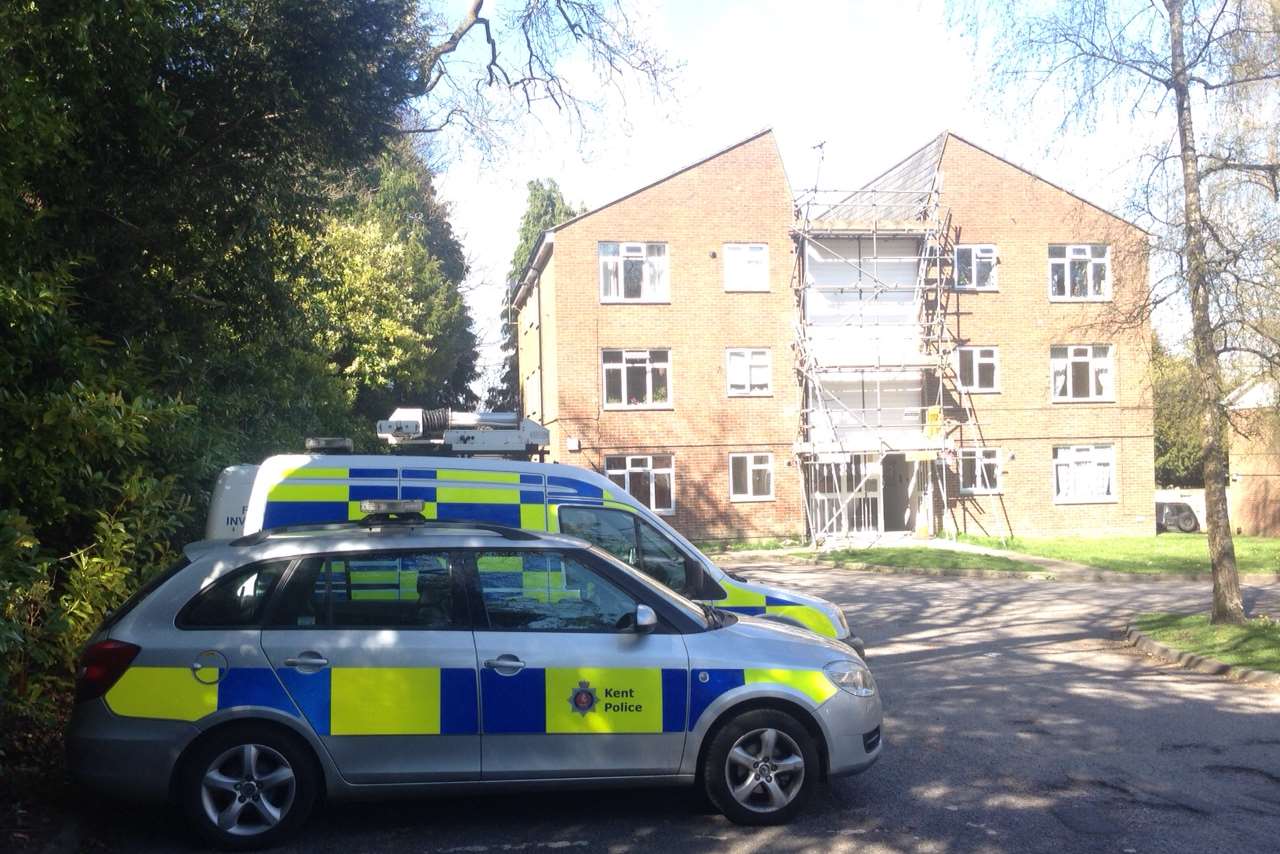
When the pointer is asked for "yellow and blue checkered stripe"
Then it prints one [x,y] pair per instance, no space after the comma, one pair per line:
[335,701]
[742,600]
[315,495]
[342,701]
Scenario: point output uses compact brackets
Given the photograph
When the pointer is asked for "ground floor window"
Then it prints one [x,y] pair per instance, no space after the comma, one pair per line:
[1084,473]
[648,479]
[980,470]
[751,477]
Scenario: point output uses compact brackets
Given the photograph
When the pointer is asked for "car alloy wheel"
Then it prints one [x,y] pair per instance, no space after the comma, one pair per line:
[248,789]
[764,770]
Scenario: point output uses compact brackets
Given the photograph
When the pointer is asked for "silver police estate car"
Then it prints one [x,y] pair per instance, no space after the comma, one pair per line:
[395,654]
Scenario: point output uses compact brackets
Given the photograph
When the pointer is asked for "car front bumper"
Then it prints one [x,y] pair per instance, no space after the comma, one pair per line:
[127,758]
[853,729]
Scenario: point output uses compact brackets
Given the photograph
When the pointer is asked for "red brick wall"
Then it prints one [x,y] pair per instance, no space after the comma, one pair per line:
[740,195]
[1255,473]
[992,201]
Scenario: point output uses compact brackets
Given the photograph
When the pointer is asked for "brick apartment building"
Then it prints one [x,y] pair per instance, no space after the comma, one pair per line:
[910,356]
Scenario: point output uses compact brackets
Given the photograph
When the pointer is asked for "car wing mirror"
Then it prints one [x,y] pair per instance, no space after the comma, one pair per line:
[646,619]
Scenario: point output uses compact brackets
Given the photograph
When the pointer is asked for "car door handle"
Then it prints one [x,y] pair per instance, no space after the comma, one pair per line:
[307,661]
[506,665]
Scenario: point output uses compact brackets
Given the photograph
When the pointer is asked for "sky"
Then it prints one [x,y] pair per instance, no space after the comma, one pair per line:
[872,80]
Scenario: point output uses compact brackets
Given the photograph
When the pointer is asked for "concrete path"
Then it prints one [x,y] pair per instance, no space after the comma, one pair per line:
[1016,722]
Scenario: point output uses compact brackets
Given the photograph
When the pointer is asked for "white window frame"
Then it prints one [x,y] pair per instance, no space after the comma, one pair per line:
[1107,362]
[621,366]
[744,273]
[978,359]
[977,252]
[753,465]
[643,463]
[651,291]
[1095,455]
[981,456]
[1089,254]
[760,358]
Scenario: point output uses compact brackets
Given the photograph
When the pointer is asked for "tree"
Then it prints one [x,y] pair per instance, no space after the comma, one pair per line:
[546,207]
[1179,451]
[1210,71]
[215,239]
[518,64]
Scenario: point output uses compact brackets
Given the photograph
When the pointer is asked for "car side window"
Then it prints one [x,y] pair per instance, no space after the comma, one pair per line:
[630,539]
[549,591]
[237,600]
[413,590]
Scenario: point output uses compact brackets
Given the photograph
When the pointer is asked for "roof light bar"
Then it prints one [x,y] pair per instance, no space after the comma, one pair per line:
[376,505]
[329,445]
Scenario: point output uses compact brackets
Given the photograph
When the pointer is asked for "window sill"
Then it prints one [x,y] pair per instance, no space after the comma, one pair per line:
[1069,300]
[1075,502]
[982,492]
[750,394]
[670,512]
[748,290]
[617,407]
[1077,401]
[956,290]
[742,499]
[979,390]
[607,301]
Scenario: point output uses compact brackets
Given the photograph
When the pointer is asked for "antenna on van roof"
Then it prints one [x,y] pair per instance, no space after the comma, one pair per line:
[466,434]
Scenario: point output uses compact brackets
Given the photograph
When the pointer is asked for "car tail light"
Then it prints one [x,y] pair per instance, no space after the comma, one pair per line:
[101,666]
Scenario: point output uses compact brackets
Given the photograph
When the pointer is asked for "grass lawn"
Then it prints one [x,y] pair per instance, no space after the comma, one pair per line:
[927,558]
[1255,645]
[1163,553]
[715,547]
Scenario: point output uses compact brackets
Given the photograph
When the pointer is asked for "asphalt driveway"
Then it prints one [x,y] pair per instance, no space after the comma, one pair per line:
[1015,721]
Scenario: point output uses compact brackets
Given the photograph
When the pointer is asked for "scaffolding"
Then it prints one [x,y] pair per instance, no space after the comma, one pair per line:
[874,354]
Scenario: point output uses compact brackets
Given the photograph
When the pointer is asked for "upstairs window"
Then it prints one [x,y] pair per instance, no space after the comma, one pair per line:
[1080,272]
[648,479]
[637,379]
[1082,373]
[976,267]
[751,477]
[634,272]
[1084,473]
[750,373]
[980,471]
[978,369]
[746,266]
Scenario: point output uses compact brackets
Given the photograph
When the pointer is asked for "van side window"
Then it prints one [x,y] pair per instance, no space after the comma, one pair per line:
[630,539]
[234,601]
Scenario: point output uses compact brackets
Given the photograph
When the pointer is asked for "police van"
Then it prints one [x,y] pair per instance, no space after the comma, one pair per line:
[328,486]
[401,652]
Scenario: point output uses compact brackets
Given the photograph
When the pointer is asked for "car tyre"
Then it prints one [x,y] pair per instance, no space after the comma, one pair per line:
[761,767]
[1188,523]
[249,787]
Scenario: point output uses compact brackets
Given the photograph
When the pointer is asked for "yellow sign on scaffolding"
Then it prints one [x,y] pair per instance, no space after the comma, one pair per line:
[933,422]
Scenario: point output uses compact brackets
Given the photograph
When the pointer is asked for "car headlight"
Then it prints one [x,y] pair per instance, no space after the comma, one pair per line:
[851,676]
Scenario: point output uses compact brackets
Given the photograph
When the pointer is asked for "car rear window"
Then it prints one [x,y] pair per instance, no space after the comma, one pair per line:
[147,588]
[235,601]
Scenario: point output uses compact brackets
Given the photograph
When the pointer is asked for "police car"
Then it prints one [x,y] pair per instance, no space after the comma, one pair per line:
[291,489]
[395,654]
